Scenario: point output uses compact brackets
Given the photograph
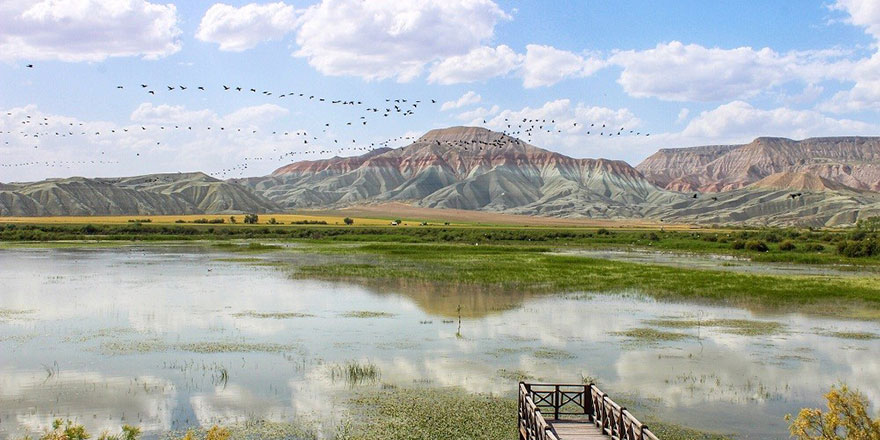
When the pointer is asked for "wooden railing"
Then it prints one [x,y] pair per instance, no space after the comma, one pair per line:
[583,403]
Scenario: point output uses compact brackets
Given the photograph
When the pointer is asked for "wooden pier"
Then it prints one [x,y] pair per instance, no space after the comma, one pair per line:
[574,412]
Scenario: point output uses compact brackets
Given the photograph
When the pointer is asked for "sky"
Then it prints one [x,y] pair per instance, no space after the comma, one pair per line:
[664,74]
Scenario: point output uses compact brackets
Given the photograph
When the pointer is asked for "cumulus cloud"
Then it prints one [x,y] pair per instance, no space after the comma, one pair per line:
[478,115]
[381,39]
[865,93]
[467,99]
[546,65]
[677,72]
[864,13]
[479,64]
[740,120]
[539,66]
[238,29]
[87,30]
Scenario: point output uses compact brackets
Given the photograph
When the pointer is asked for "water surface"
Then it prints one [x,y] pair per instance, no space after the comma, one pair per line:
[173,337]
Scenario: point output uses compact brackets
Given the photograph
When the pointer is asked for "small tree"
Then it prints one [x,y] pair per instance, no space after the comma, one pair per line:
[348,221]
[251,219]
[232,219]
[847,418]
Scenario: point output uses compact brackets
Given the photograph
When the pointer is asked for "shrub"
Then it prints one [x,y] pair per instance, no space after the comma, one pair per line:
[847,418]
[756,246]
[603,231]
[251,219]
[787,245]
[348,221]
[814,247]
[738,244]
[772,237]
[857,249]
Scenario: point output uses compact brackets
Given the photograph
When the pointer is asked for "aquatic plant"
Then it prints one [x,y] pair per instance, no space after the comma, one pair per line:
[365,314]
[650,335]
[355,373]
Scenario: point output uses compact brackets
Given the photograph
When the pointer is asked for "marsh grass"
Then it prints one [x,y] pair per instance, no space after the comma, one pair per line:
[742,327]
[10,314]
[429,414]
[252,247]
[299,429]
[366,314]
[516,375]
[272,315]
[355,373]
[552,353]
[532,269]
[863,336]
[122,347]
[651,335]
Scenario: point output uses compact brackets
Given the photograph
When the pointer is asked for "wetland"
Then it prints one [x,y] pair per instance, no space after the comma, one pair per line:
[317,337]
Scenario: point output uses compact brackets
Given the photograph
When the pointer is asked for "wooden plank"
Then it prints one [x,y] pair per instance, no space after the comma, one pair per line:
[576,430]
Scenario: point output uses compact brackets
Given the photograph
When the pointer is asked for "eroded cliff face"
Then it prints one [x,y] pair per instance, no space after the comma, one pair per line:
[851,161]
[465,168]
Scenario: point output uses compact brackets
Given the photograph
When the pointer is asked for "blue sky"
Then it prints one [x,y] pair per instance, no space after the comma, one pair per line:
[687,72]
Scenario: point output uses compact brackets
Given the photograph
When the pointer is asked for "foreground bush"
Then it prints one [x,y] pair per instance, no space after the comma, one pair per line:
[847,418]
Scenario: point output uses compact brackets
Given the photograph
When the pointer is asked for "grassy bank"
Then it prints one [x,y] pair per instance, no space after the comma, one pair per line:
[531,268]
[766,245]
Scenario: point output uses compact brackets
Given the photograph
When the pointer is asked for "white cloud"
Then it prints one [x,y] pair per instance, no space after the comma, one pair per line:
[87,30]
[864,13]
[865,93]
[478,115]
[238,29]
[740,121]
[467,99]
[479,64]
[381,39]
[678,72]
[546,65]
[683,115]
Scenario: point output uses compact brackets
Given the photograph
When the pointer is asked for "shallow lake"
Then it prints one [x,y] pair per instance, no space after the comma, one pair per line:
[169,337]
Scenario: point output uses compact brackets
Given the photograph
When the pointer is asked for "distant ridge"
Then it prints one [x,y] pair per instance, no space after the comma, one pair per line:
[851,161]
[465,168]
[770,181]
[178,193]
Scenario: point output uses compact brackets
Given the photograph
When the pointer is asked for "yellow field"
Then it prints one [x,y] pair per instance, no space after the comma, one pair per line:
[171,219]
[377,215]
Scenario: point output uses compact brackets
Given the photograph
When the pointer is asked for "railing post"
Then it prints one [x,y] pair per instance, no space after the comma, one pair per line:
[556,403]
[588,402]
[621,430]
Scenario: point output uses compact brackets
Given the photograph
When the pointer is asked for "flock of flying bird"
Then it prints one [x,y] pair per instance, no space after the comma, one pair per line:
[34,128]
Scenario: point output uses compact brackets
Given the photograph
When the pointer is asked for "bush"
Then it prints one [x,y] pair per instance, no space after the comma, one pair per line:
[603,231]
[858,249]
[772,237]
[787,245]
[756,246]
[738,244]
[251,219]
[814,247]
[348,221]
[847,418]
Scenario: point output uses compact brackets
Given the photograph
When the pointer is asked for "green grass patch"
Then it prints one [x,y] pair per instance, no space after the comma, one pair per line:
[744,327]
[531,269]
[272,315]
[552,353]
[863,336]
[650,335]
[429,414]
[366,314]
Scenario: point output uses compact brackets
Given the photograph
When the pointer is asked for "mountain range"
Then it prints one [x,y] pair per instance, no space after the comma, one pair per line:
[773,181]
